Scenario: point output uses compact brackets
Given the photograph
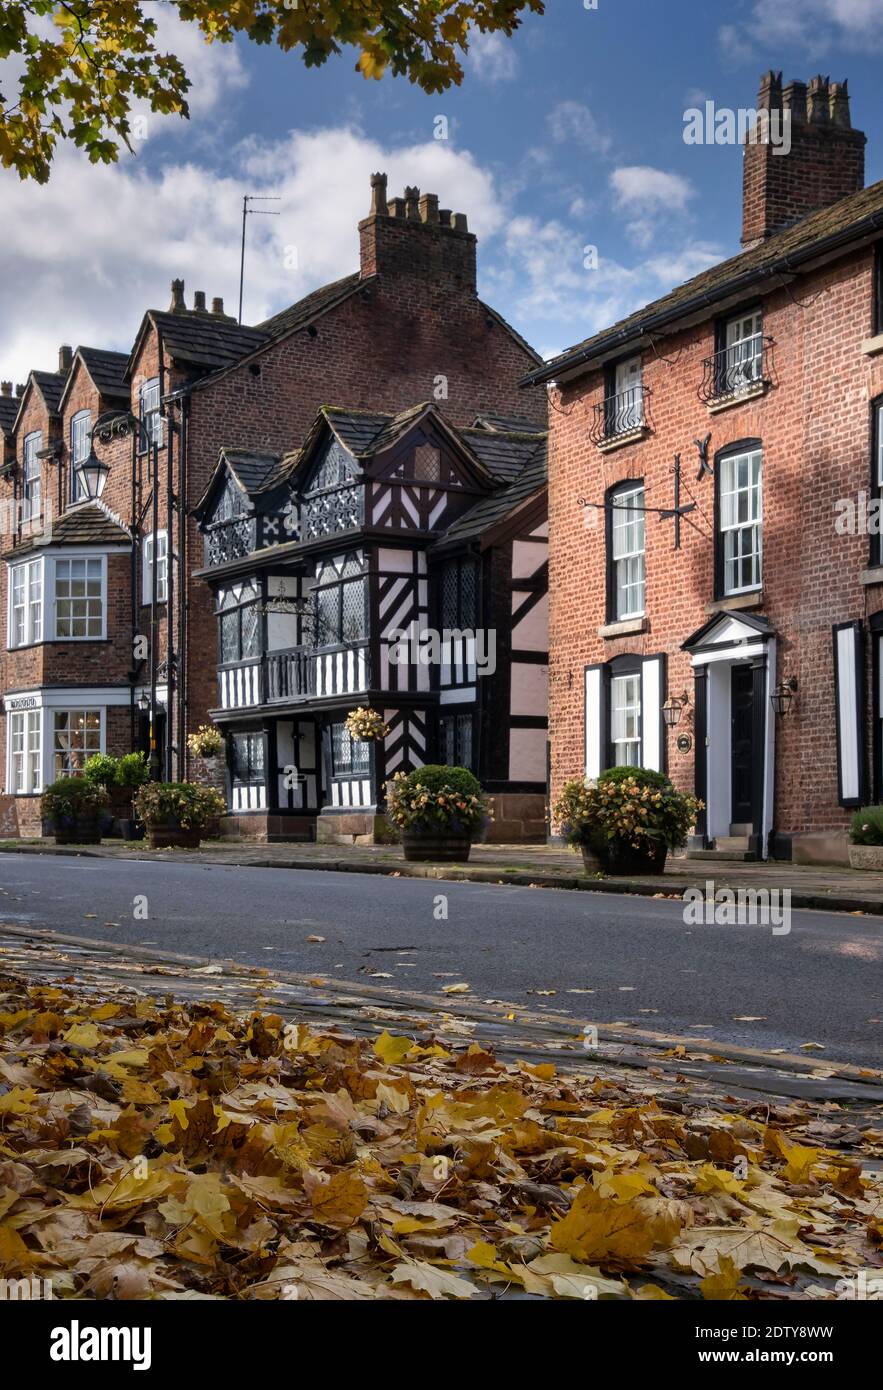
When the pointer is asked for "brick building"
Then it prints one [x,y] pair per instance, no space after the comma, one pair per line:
[714,461]
[110,643]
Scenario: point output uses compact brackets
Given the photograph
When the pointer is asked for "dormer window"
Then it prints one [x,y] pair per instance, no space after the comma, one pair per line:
[31,497]
[81,426]
[149,415]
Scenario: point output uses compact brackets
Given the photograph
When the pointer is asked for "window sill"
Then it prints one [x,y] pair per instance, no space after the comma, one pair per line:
[872,346]
[620,441]
[625,628]
[721,403]
[736,602]
[874,575]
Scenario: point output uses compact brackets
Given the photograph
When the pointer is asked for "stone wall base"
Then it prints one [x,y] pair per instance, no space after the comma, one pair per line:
[820,847]
[20,818]
[354,828]
[267,828]
[519,818]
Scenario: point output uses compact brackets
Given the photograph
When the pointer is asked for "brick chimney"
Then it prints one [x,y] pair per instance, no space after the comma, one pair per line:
[825,162]
[65,358]
[199,302]
[218,306]
[411,236]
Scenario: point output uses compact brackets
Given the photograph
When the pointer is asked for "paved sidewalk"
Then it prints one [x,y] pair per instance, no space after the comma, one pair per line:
[831,889]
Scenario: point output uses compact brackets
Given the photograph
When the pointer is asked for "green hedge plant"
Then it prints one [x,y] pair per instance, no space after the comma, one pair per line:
[866,826]
[70,797]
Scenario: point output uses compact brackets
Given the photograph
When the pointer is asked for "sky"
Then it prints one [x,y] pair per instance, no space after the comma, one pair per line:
[567,137]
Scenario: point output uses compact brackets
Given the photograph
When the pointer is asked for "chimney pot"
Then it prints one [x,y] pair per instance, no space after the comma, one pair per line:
[218,306]
[819,101]
[20,389]
[794,100]
[429,208]
[177,305]
[769,97]
[460,222]
[6,388]
[840,115]
[199,301]
[396,207]
[379,196]
[65,358]
[412,204]
[444,217]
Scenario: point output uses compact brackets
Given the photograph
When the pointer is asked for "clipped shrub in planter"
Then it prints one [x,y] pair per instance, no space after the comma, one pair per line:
[626,821]
[177,813]
[438,811]
[72,806]
[118,777]
[866,838]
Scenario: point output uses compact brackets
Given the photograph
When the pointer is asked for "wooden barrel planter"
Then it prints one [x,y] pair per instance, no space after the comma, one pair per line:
[77,830]
[625,861]
[173,837]
[436,848]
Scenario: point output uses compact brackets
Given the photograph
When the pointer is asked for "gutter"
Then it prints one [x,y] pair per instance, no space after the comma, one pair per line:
[789,262]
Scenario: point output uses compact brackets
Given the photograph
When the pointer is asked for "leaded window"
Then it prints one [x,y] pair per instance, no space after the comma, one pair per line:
[240,632]
[340,613]
[349,756]
[459,595]
[455,740]
[247,757]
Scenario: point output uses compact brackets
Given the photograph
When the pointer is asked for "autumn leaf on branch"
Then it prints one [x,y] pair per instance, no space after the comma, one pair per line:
[84,64]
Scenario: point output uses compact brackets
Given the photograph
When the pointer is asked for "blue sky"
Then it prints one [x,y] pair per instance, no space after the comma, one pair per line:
[569,135]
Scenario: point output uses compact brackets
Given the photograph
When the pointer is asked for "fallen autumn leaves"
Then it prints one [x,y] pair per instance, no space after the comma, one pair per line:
[155,1150]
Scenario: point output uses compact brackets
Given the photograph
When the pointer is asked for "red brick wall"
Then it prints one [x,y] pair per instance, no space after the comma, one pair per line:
[815,425]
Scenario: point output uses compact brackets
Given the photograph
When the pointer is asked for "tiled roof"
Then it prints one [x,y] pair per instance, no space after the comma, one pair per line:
[8,411]
[503,455]
[252,468]
[87,524]
[849,219]
[507,424]
[490,511]
[356,429]
[107,370]
[300,314]
[206,340]
[51,385]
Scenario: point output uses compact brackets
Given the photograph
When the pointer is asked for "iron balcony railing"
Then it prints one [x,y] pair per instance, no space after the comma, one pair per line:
[619,415]
[735,371]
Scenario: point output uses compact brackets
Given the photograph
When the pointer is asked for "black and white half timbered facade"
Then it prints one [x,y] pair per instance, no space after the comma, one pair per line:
[395,562]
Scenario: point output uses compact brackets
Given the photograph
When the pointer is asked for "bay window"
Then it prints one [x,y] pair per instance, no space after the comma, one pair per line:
[76,736]
[26,604]
[79,598]
[23,773]
[740,516]
[240,623]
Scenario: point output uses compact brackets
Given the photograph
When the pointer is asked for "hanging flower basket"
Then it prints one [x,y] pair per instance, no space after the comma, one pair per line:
[365,725]
[205,742]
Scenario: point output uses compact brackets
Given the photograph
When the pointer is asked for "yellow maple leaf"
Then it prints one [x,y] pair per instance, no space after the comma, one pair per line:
[723,1285]
[392,1050]
[339,1202]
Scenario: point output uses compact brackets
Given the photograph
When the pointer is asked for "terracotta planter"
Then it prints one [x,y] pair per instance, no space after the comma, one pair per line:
[624,861]
[78,830]
[173,837]
[866,857]
[436,848]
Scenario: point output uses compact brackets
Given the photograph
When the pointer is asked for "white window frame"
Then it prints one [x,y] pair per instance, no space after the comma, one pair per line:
[880,445]
[80,435]
[53,753]
[735,529]
[628,686]
[151,423]
[162,572]
[628,388]
[75,559]
[24,760]
[27,580]
[628,547]
[31,473]
[743,343]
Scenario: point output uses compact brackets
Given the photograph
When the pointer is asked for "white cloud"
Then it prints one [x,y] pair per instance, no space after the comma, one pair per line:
[84,255]
[493,58]
[649,197]
[571,121]
[814,26]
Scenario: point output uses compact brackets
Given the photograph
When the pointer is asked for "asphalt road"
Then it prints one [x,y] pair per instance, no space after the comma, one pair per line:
[608,958]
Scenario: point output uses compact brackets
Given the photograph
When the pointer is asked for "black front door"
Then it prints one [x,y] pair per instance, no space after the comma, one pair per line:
[741,710]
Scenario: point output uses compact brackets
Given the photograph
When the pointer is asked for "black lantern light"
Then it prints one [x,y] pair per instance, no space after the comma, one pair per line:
[673,709]
[783,695]
[92,475]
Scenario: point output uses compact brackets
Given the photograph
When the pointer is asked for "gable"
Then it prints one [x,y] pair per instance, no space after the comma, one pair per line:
[333,467]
